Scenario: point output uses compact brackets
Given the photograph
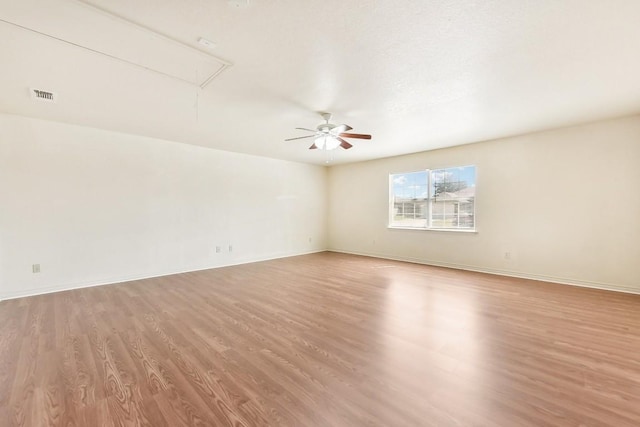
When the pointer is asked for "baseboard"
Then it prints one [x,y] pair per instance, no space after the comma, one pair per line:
[113,281]
[508,273]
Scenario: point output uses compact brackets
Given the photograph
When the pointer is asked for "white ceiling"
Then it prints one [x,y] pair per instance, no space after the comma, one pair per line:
[418,75]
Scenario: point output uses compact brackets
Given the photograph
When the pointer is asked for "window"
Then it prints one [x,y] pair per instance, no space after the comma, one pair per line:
[433,199]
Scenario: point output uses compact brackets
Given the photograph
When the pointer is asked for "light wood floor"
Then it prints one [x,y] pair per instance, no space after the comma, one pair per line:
[322,340]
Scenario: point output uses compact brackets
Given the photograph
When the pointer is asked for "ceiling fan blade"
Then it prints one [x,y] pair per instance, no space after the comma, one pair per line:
[340,128]
[313,146]
[344,144]
[300,137]
[355,135]
[308,130]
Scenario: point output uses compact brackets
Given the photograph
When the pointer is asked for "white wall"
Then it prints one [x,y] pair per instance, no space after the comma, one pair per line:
[565,203]
[93,206]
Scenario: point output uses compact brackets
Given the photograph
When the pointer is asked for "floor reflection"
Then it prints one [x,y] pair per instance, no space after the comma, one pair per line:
[432,340]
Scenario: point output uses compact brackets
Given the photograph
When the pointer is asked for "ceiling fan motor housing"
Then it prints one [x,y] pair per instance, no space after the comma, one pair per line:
[325,127]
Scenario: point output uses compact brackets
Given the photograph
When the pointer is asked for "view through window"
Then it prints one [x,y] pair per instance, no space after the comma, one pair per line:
[433,199]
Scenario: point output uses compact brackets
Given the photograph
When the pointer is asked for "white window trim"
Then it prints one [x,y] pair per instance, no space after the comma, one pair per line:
[438,230]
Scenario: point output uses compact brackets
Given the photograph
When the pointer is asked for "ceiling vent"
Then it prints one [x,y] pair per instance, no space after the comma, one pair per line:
[43,95]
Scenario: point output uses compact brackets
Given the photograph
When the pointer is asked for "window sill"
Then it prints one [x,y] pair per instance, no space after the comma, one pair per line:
[454,230]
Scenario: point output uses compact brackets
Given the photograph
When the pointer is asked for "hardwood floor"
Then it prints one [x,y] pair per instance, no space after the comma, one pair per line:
[322,340]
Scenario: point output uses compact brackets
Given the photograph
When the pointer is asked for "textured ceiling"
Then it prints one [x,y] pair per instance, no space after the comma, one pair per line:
[418,75]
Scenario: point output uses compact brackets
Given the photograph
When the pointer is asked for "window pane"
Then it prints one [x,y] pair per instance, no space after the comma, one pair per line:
[409,199]
[453,197]
[441,198]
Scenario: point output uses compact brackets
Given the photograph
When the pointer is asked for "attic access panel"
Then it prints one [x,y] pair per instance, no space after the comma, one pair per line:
[96,30]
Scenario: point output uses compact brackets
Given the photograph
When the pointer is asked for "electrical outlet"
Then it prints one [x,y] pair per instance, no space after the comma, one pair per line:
[507,255]
[218,249]
[35,268]
[230,248]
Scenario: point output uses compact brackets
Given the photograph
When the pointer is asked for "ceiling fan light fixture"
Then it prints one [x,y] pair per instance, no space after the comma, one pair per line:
[327,142]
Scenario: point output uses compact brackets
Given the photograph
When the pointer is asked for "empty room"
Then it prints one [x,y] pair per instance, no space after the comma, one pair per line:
[319,213]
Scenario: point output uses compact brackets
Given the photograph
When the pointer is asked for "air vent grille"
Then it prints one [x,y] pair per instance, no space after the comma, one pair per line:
[43,95]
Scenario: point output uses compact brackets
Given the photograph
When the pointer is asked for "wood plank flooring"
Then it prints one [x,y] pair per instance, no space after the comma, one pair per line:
[322,340]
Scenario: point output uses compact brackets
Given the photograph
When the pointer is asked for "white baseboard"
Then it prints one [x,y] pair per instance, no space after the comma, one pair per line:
[71,286]
[543,278]
[509,273]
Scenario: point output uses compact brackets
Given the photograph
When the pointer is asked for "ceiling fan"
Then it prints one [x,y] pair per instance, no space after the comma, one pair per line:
[328,136]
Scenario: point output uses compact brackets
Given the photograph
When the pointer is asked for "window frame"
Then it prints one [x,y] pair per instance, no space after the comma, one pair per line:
[429,202]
